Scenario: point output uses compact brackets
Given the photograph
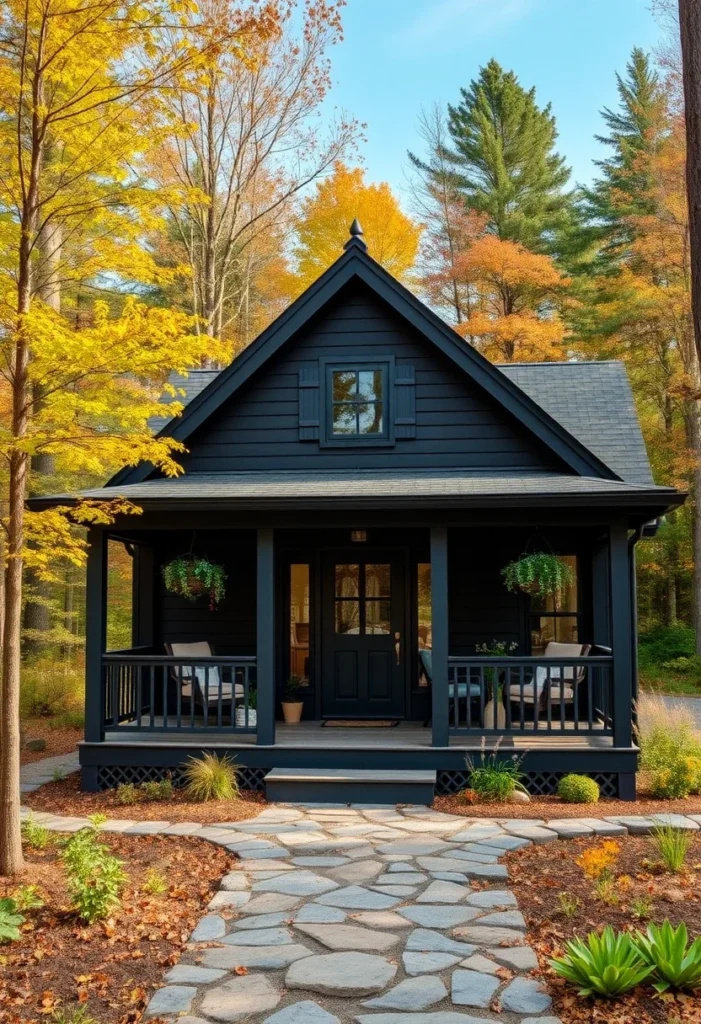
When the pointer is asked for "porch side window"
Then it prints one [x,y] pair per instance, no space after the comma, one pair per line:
[556,619]
[358,402]
[120,576]
[299,621]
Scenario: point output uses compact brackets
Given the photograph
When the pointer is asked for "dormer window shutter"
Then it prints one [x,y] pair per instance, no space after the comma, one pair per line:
[404,402]
[309,404]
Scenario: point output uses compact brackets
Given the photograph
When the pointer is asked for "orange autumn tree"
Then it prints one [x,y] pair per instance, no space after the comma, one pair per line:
[517,297]
[322,227]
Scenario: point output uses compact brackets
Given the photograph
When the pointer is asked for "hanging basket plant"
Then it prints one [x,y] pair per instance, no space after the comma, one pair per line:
[539,574]
[192,577]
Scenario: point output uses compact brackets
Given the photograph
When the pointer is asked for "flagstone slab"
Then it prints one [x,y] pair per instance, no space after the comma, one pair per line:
[260,937]
[414,846]
[473,851]
[403,891]
[425,1017]
[235,881]
[312,913]
[191,974]
[410,994]
[504,919]
[489,898]
[296,883]
[357,871]
[522,958]
[208,928]
[439,916]
[525,995]
[240,997]
[679,821]
[604,828]
[480,963]
[271,903]
[505,842]
[356,897]
[475,833]
[471,869]
[228,957]
[380,919]
[262,921]
[402,878]
[341,974]
[637,824]
[321,861]
[304,1012]
[348,936]
[570,828]
[535,833]
[472,988]
[171,999]
[487,935]
[443,892]
[425,963]
[226,898]
[423,940]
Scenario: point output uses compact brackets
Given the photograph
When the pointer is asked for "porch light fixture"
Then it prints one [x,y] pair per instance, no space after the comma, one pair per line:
[359,536]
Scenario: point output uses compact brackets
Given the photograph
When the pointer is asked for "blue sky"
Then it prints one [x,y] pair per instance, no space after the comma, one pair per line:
[401,55]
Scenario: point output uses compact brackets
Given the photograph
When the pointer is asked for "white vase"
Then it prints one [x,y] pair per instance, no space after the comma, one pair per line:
[241,717]
[489,715]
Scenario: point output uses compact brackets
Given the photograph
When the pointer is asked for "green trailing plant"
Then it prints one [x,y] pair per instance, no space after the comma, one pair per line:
[95,876]
[10,920]
[191,577]
[578,789]
[211,778]
[493,779]
[539,573]
[35,835]
[675,964]
[606,964]
[28,897]
[673,845]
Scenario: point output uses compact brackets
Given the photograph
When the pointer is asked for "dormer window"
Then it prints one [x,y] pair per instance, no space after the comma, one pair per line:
[358,402]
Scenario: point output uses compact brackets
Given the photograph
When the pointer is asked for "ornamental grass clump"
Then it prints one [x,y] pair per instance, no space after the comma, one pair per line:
[539,573]
[673,845]
[211,778]
[605,964]
[578,789]
[675,964]
[493,779]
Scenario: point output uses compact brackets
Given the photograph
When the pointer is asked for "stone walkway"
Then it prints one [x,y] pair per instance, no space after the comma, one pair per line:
[40,772]
[364,914]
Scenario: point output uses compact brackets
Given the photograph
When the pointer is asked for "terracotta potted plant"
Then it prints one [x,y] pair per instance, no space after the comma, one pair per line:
[191,577]
[291,704]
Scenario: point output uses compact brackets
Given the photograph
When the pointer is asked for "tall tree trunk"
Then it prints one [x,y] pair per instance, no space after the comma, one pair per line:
[37,612]
[690,26]
[693,433]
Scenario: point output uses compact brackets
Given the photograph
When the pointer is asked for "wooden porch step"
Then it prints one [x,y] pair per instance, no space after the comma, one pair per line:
[350,785]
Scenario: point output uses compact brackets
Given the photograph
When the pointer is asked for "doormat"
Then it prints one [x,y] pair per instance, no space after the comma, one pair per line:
[368,723]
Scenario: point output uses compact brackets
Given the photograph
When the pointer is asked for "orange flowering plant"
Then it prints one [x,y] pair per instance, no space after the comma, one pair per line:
[597,861]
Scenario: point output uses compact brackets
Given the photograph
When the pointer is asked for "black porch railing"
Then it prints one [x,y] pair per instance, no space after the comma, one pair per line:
[146,692]
[530,695]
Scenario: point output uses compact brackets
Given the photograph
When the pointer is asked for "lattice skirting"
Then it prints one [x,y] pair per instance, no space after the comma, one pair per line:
[109,777]
[537,783]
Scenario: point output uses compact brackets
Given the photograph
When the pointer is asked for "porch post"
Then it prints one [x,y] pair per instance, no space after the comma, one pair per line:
[621,642]
[440,634]
[95,638]
[265,637]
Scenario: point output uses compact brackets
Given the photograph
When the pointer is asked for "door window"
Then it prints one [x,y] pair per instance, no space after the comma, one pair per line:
[362,599]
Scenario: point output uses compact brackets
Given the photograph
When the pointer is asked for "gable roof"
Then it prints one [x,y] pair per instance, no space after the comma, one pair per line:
[594,402]
[356,264]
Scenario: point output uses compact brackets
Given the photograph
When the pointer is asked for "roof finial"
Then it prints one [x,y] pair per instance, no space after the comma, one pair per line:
[356,236]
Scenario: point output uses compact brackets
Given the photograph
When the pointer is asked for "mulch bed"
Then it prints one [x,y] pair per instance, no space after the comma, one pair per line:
[65,797]
[552,807]
[111,966]
[538,874]
[58,741]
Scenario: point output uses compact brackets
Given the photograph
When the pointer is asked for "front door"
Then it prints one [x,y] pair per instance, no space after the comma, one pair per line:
[363,636]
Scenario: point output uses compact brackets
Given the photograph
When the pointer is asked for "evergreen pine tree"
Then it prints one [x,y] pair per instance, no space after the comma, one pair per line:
[505,161]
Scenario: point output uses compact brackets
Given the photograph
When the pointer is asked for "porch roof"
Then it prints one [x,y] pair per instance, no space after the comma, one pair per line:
[378,488]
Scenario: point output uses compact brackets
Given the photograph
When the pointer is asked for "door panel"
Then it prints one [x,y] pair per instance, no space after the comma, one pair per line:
[363,629]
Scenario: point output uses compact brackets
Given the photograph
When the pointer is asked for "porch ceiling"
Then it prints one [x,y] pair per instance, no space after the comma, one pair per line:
[380,488]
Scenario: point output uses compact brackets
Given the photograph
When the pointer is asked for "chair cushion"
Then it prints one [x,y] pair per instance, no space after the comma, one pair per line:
[201,648]
[474,690]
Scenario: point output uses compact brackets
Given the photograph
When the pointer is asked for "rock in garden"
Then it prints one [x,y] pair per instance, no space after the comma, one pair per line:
[517,796]
[341,974]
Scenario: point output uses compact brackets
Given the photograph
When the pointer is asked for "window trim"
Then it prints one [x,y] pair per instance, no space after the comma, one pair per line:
[330,440]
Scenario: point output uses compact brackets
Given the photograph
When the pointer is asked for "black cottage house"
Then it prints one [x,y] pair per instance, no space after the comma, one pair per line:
[364,475]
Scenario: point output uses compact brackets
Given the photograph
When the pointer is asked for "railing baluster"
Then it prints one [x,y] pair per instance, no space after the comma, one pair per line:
[563,681]
[522,708]
[139,695]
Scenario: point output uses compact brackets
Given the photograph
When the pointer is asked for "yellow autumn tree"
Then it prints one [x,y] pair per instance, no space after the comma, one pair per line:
[516,299]
[78,84]
[391,236]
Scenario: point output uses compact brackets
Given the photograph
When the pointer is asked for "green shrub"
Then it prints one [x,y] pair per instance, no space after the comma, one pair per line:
[36,746]
[211,778]
[673,844]
[162,790]
[95,876]
[678,779]
[28,897]
[578,789]
[36,835]
[664,643]
[493,779]
[127,794]
[52,689]
[683,665]
[155,884]
[674,965]
[10,921]
[665,732]
[604,964]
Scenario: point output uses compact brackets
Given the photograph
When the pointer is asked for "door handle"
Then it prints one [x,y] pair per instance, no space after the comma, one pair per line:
[398,646]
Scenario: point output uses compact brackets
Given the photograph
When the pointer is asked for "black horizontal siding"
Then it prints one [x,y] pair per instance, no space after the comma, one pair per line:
[457,425]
